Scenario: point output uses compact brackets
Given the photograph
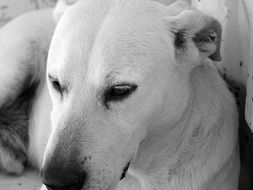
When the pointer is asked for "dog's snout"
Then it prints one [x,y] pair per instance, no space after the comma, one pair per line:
[64,177]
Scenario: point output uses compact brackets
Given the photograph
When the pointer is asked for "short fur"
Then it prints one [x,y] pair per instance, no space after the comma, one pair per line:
[178,129]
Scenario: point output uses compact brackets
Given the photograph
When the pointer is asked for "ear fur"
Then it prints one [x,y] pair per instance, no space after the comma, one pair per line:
[196,37]
[61,7]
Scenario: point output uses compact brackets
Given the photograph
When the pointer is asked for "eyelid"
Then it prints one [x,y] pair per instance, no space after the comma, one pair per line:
[132,87]
[123,83]
[64,86]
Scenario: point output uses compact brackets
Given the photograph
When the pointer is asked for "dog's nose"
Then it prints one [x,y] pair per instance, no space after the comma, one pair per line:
[63,177]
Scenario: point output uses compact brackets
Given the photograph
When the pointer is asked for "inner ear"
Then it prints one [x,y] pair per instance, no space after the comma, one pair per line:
[180,39]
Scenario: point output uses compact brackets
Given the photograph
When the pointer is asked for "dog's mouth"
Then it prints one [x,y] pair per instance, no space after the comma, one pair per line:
[123,175]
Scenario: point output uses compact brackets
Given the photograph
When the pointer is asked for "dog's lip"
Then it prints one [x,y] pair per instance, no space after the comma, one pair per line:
[123,175]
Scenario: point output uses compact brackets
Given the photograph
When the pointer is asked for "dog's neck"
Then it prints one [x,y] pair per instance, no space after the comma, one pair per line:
[181,157]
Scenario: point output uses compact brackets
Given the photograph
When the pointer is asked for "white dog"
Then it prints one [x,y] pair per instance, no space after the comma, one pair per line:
[137,103]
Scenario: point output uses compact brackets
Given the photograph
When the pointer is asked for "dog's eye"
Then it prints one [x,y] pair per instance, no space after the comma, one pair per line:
[56,84]
[119,92]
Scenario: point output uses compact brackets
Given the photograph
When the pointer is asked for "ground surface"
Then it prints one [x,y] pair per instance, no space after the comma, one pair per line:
[30,180]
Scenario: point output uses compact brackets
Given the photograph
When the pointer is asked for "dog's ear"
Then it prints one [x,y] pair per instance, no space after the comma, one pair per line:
[196,36]
[61,7]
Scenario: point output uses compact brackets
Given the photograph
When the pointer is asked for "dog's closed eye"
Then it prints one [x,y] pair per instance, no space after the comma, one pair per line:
[118,92]
[56,85]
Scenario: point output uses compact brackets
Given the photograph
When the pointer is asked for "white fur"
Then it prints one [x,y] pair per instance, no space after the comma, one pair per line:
[181,124]
[179,128]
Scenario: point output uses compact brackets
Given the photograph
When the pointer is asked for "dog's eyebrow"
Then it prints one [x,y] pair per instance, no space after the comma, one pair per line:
[111,76]
[115,77]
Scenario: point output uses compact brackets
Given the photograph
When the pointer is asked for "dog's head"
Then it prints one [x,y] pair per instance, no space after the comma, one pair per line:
[117,71]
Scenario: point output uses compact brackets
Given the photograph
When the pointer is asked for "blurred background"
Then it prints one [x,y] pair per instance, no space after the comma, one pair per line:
[10,9]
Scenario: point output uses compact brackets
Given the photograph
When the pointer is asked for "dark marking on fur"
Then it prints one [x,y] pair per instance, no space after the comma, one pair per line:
[14,118]
[179,41]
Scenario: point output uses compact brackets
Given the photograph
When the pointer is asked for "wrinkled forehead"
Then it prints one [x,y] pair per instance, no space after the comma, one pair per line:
[109,35]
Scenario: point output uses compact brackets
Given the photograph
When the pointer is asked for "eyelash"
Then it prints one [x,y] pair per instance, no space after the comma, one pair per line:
[118,92]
